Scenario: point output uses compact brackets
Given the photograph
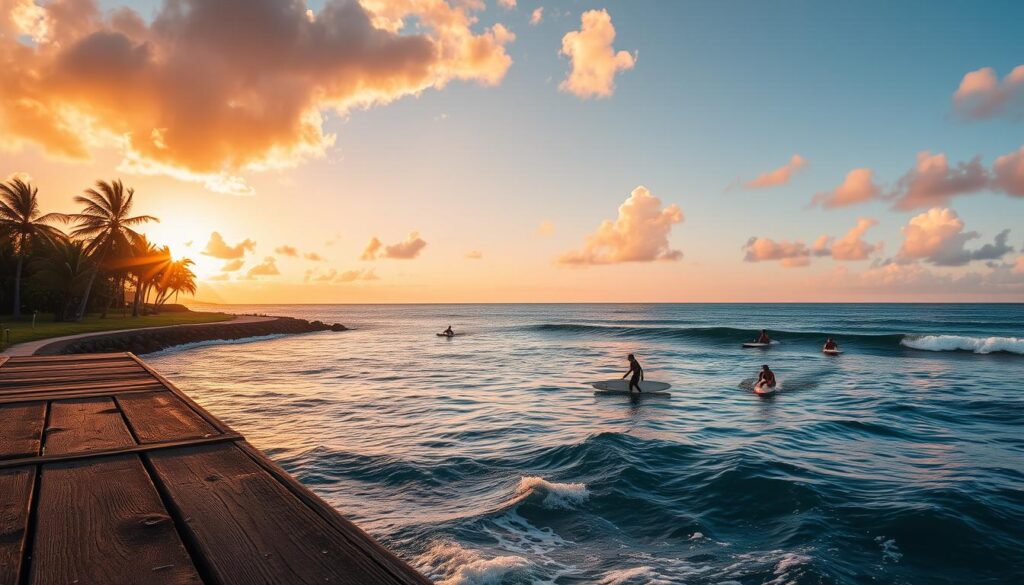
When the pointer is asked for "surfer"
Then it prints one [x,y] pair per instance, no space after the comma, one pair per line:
[763,337]
[638,374]
[765,378]
[448,331]
[831,345]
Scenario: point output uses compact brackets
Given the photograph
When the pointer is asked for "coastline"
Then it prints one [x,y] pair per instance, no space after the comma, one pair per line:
[150,339]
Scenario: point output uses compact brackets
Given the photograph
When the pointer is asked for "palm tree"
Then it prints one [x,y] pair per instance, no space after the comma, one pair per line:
[24,225]
[64,268]
[176,278]
[106,224]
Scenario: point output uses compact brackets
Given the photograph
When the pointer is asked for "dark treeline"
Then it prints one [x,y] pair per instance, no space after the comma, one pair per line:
[69,264]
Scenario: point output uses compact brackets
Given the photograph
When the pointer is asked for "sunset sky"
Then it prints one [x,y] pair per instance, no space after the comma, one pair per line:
[519,150]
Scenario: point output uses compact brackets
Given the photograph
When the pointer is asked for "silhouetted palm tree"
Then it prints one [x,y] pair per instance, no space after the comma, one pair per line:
[106,224]
[22,222]
[64,268]
[176,278]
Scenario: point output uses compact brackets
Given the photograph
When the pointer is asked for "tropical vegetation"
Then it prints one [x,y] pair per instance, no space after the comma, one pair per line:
[93,261]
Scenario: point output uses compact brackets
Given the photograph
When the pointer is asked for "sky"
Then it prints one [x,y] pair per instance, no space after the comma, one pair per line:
[538,151]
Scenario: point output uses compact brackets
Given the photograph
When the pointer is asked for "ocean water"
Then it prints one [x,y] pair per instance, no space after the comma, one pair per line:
[486,459]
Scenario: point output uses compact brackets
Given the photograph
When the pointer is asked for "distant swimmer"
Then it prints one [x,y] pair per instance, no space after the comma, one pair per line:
[831,345]
[766,379]
[448,331]
[763,337]
[637,371]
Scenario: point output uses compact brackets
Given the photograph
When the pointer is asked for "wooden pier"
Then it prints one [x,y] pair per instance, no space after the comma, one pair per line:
[109,474]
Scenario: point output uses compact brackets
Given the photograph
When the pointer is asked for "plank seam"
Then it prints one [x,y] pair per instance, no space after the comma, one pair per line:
[142,448]
[36,396]
[25,570]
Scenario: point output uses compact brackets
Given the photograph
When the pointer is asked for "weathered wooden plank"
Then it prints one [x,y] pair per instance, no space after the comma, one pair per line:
[85,424]
[14,375]
[36,367]
[17,397]
[249,528]
[213,420]
[162,416]
[77,357]
[3,360]
[70,379]
[102,521]
[45,459]
[16,487]
[21,428]
[74,386]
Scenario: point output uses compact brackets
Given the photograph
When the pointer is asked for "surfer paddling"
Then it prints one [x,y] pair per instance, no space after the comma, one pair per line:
[636,371]
[766,379]
[763,337]
[448,331]
[831,345]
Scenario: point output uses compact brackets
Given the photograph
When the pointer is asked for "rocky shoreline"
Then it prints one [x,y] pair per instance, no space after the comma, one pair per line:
[142,341]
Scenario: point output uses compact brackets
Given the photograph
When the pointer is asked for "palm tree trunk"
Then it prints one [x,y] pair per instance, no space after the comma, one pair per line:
[88,289]
[16,312]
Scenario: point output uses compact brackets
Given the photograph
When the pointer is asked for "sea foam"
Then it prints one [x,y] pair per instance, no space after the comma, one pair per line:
[965,343]
[448,563]
[565,496]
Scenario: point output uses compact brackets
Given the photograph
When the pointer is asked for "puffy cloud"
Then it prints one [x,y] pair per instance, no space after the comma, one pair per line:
[594,61]
[915,279]
[858,186]
[474,255]
[639,234]
[372,249]
[313,257]
[537,16]
[218,248]
[266,268]
[792,254]
[779,176]
[333,276]
[789,254]
[932,181]
[546,228]
[507,4]
[405,250]
[982,95]
[852,247]
[1008,173]
[232,265]
[218,87]
[938,237]
[286,251]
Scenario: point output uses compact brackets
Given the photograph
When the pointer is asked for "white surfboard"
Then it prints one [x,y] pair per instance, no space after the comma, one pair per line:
[755,344]
[831,351]
[621,387]
[766,390]
[446,334]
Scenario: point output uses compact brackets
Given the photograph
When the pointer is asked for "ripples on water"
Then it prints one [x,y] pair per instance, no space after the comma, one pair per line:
[485,459]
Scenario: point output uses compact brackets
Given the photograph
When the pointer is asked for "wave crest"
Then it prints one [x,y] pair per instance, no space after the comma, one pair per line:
[455,565]
[563,496]
[965,343]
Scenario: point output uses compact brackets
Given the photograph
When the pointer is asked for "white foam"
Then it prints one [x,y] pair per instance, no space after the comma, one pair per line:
[789,569]
[631,576]
[890,552]
[965,343]
[565,496]
[697,536]
[448,563]
[209,342]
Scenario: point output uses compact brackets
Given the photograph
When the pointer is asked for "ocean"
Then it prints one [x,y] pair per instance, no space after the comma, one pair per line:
[487,459]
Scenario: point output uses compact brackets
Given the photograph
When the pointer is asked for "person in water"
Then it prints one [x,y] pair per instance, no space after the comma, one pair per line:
[763,337]
[831,345]
[449,331]
[637,371]
[765,378]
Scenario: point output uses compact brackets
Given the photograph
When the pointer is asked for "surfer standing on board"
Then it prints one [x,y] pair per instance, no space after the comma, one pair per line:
[766,378]
[637,371]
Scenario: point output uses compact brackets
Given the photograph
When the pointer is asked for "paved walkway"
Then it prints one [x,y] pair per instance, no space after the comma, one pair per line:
[30,347]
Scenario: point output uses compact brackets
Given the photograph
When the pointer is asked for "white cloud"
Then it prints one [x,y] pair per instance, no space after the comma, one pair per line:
[779,176]
[938,237]
[858,186]
[639,234]
[982,95]
[932,181]
[594,61]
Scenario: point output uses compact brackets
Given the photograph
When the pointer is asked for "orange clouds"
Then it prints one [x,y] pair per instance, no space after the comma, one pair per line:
[594,62]
[406,250]
[938,237]
[932,181]
[1008,172]
[218,248]
[537,16]
[858,186]
[639,234]
[286,251]
[851,247]
[779,176]
[266,268]
[217,87]
[982,95]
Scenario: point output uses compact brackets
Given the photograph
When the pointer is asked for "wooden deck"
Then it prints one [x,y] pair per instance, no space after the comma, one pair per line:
[109,474]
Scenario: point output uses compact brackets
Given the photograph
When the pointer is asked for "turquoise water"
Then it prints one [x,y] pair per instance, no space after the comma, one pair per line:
[487,459]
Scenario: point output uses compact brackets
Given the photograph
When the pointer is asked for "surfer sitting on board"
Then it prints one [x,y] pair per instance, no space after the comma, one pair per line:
[830,345]
[448,331]
[765,378]
[637,371]
[763,337]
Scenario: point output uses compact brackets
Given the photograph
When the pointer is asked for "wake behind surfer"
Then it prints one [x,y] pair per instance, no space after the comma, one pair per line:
[636,371]
[765,379]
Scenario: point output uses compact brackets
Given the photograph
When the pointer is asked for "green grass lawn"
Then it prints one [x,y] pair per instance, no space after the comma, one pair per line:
[22,331]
